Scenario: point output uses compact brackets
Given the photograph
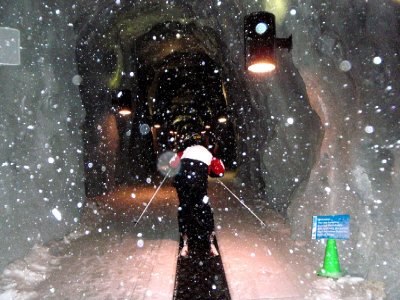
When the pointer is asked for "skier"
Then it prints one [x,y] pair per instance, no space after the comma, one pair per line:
[195,218]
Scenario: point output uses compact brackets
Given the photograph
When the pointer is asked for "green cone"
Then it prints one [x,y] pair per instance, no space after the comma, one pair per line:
[331,267]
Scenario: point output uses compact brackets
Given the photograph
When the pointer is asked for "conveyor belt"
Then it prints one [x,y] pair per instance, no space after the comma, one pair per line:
[200,276]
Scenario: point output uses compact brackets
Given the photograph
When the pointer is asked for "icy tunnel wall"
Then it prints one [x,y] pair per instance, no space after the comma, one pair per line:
[41,169]
[347,55]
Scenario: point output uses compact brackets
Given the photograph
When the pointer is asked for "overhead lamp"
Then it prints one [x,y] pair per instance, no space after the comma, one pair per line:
[123,102]
[260,42]
[124,112]
[157,125]
[222,119]
[207,126]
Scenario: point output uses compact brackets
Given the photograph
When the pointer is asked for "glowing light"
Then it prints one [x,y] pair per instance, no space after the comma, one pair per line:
[222,119]
[157,126]
[124,112]
[207,127]
[262,68]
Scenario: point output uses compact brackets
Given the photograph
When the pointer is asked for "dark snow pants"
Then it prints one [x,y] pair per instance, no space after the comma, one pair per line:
[195,217]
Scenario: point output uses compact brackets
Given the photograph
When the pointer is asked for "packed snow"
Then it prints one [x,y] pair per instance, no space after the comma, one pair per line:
[109,258]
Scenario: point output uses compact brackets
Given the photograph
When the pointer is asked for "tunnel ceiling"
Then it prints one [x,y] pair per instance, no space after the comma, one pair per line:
[189,89]
[179,59]
[187,83]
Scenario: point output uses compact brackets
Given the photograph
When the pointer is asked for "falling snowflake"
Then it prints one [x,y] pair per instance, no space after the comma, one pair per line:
[140,243]
[377,60]
[369,129]
[57,214]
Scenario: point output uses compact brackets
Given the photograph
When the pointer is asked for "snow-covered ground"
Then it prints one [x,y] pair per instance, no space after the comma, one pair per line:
[109,258]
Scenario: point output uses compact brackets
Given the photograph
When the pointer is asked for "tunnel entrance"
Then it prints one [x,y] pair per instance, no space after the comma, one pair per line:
[176,85]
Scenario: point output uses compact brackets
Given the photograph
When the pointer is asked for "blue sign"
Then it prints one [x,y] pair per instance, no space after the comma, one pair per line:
[331,227]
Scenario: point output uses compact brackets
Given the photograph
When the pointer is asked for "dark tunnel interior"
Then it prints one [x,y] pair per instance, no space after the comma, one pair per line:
[175,86]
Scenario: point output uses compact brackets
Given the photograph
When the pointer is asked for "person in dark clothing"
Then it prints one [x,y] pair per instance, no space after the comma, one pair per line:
[195,217]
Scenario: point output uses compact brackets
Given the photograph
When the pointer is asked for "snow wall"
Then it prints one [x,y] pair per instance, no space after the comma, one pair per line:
[325,141]
[41,169]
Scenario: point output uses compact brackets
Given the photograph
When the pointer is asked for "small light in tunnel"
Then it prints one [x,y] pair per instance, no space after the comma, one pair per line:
[207,127]
[222,119]
[123,101]
[157,126]
[124,112]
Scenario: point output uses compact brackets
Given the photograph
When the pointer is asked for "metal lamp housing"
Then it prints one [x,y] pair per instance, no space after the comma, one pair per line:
[260,37]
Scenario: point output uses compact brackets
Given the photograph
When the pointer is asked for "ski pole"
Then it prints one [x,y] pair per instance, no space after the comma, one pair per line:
[241,202]
[152,197]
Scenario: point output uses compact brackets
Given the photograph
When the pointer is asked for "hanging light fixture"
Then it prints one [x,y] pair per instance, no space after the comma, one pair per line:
[222,119]
[122,101]
[261,41]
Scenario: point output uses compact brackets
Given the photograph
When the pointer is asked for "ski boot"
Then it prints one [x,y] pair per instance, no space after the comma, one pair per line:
[185,249]
[213,250]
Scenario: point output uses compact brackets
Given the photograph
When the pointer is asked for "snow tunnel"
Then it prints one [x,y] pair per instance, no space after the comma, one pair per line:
[179,72]
[177,78]
[320,137]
